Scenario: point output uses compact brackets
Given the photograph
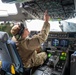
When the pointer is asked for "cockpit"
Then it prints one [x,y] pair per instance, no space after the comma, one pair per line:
[60,45]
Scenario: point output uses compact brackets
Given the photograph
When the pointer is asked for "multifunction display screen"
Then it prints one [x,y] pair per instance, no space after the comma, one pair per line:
[64,43]
[55,42]
[60,42]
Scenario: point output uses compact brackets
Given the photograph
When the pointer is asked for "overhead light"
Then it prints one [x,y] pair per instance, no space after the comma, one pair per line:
[3,13]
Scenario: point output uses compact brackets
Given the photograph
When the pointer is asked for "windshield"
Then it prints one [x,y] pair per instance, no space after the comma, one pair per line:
[68,25]
[36,25]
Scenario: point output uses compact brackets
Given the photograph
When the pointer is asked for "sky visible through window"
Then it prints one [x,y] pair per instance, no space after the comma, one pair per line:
[7,9]
[36,25]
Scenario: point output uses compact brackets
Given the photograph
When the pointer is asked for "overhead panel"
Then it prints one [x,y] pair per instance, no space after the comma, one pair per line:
[57,9]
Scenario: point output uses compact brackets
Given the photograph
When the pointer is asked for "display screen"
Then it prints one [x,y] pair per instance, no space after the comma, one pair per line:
[64,42]
[60,42]
[55,42]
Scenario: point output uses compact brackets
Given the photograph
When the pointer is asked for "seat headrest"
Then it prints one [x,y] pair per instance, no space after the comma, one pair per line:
[3,36]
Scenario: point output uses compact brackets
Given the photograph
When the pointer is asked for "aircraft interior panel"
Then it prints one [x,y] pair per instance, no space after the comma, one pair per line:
[58,45]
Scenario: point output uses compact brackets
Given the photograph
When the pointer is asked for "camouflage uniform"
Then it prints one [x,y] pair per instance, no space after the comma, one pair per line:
[27,47]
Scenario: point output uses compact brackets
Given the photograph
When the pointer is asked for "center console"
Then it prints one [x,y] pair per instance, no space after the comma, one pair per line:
[55,64]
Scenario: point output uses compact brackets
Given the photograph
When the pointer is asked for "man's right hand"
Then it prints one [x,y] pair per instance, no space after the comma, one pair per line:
[15,29]
[46,16]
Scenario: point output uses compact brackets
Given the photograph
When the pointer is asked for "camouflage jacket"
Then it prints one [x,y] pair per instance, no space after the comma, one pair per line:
[27,47]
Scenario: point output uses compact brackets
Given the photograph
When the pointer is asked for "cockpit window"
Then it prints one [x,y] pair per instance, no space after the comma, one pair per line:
[68,25]
[36,25]
[7,9]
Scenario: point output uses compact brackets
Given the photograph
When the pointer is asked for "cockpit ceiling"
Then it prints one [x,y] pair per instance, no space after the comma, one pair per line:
[57,9]
[33,9]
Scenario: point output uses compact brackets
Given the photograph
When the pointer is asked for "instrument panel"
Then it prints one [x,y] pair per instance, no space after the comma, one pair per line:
[59,40]
[57,46]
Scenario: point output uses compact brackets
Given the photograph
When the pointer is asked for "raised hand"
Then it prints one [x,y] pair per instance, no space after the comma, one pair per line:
[46,16]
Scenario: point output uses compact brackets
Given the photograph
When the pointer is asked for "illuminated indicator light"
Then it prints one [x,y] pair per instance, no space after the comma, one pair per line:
[0,64]
[12,69]
[61,57]
[64,58]
[49,55]
[65,54]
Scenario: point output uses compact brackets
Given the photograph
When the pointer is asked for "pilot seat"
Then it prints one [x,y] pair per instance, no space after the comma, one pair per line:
[10,61]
